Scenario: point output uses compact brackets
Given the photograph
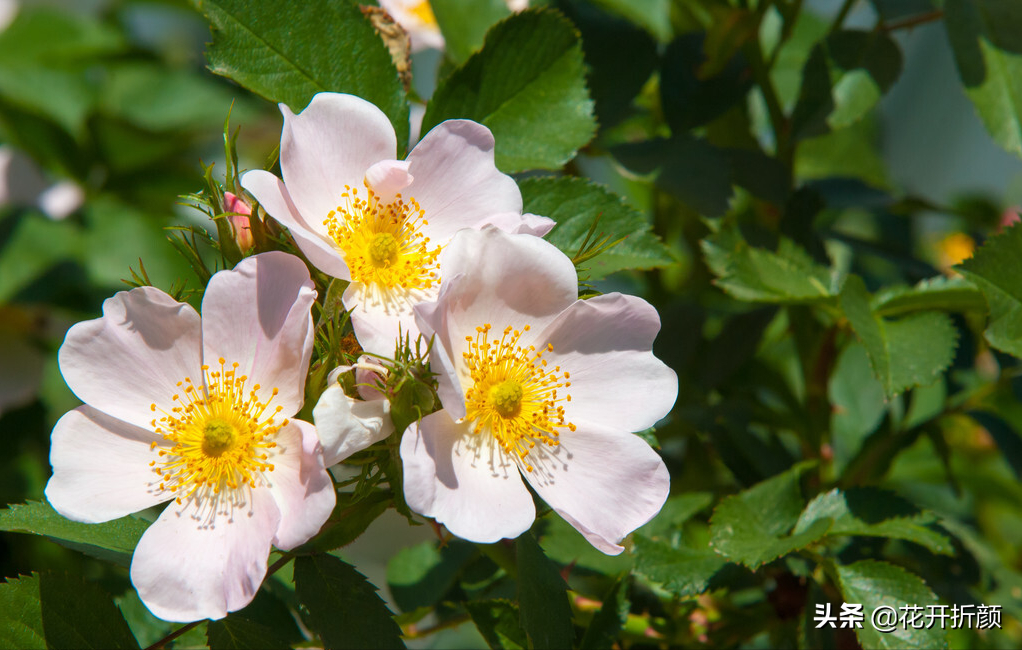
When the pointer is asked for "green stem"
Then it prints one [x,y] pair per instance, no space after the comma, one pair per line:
[914,21]
[839,20]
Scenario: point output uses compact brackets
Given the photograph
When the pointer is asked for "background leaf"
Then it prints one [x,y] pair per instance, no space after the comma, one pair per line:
[289,52]
[574,203]
[543,597]
[344,608]
[78,614]
[498,622]
[464,24]
[996,268]
[527,85]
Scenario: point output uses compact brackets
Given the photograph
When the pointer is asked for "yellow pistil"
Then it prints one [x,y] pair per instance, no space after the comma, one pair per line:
[220,433]
[514,396]
[382,242]
[424,12]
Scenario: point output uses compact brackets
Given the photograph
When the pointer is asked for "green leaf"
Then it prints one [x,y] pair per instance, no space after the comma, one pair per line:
[652,15]
[344,608]
[53,36]
[684,571]
[752,527]
[21,617]
[79,614]
[565,545]
[63,96]
[464,24]
[849,152]
[875,584]
[36,244]
[940,293]
[996,268]
[603,630]
[911,351]
[872,512]
[527,85]
[678,509]
[498,622]
[857,402]
[238,633]
[692,169]
[420,575]
[786,276]
[289,52]
[574,203]
[113,540]
[350,519]
[614,80]
[985,38]
[689,98]
[543,597]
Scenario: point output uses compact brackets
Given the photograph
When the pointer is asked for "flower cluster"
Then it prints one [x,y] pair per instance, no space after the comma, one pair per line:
[535,386]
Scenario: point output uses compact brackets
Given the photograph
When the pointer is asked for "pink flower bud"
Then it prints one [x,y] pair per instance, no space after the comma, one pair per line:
[239,221]
[1009,217]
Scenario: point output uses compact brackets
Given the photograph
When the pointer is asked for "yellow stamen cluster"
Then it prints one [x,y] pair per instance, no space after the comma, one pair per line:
[220,433]
[424,12]
[514,396]
[382,242]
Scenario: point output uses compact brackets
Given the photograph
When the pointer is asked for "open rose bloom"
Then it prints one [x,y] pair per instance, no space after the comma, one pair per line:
[196,412]
[536,384]
[360,215]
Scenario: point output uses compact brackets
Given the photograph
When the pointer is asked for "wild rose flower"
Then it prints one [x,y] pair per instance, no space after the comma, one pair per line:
[381,223]
[536,384]
[196,412]
[347,425]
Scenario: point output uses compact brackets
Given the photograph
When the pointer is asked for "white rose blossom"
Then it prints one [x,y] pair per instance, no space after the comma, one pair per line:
[536,383]
[360,215]
[196,411]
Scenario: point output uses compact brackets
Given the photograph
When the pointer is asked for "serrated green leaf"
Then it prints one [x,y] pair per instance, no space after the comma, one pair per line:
[984,36]
[420,575]
[498,622]
[113,540]
[344,608]
[542,597]
[237,633]
[464,24]
[21,618]
[786,276]
[873,512]
[683,571]
[857,402]
[911,351]
[678,509]
[940,293]
[879,584]
[527,85]
[289,52]
[752,527]
[603,630]
[574,203]
[996,268]
[79,614]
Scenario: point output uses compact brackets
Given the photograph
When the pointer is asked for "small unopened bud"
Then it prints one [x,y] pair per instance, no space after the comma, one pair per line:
[239,221]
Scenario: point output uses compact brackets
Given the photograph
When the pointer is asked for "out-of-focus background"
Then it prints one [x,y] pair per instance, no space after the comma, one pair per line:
[106,110]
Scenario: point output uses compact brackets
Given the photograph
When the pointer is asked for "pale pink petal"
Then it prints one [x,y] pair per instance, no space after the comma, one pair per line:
[101,467]
[185,570]
[346,425]
[387,178]
[381,315]
[134,356]
[464,481]
[604,484]
[497,278]
[328,145]
[520,224]
[300,485]
[311,239]
[605,343]
[456,181]
[257,315]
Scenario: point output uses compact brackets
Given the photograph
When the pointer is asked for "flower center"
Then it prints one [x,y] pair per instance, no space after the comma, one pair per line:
[424,12]
[220,433]
[514,395]
[383,243]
